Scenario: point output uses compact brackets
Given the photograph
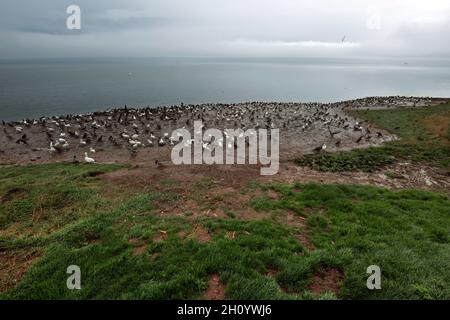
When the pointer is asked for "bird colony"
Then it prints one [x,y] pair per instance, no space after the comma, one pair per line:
[128,134]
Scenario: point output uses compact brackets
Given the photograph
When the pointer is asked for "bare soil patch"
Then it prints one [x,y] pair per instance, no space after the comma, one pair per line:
[326,281]
[139,246]
[227,180]
[200,234]
[271,272]
[303,238]
[294,220]
[216,289]
[160,236]
[13,265]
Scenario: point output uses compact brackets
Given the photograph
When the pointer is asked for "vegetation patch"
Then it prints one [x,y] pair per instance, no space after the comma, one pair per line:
[127,250]
[359,159]
[424,137]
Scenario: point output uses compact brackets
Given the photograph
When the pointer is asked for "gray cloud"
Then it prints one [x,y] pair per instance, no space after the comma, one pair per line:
[225,28]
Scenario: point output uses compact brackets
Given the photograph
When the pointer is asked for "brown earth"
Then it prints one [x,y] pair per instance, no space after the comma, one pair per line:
[326,281]
[216,289]
[139,246]
[199,234]
[13,265]
[227,180]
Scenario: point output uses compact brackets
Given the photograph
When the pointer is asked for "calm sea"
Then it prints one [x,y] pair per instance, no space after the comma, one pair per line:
[37,88]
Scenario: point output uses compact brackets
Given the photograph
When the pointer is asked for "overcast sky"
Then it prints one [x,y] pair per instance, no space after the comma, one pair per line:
[231,28]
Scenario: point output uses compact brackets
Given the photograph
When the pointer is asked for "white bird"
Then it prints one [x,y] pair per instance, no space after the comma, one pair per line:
[52,149]
[87,159]
[82,142]
[131,141]
[92,150]
[206,146]
[189,142]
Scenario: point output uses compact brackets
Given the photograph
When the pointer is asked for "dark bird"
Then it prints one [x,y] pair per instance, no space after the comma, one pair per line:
[158,164]
[23,140]
[333,133]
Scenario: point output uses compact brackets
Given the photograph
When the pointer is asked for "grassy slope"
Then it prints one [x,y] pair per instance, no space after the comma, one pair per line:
[67,216]
[424,133]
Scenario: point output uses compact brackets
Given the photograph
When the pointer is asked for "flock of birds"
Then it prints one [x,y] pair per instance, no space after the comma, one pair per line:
[394,101]
[135,129]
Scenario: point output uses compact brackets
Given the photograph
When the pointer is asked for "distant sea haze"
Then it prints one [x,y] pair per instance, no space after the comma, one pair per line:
[35,88]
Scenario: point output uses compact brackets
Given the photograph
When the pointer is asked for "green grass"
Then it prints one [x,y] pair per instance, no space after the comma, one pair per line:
[418,141]
[406,233]
[358,159]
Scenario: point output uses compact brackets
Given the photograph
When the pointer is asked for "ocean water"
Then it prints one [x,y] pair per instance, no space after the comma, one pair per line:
[54,87]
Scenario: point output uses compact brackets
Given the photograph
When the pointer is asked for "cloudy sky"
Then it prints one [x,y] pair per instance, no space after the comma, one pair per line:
[231,28]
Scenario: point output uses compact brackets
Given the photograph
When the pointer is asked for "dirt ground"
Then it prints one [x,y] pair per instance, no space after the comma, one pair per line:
[223,191]
[229,178]
[133,135]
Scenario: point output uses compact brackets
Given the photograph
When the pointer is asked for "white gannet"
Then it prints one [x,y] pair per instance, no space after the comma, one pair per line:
[87,159]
